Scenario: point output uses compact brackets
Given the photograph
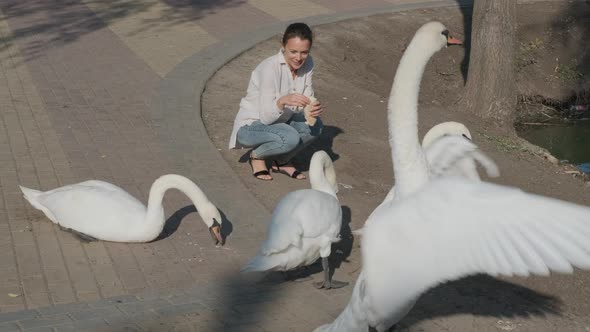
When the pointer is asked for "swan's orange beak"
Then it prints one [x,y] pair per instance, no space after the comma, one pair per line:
[215,231]
[453,41]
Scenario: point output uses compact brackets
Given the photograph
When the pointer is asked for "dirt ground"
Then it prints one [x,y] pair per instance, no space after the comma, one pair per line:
[355,62]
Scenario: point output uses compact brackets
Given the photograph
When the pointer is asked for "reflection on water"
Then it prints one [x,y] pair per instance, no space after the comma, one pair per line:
[566,142]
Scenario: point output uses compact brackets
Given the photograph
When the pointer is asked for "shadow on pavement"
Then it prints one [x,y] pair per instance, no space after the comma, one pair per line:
[44,24]
[173,222]
[481,295]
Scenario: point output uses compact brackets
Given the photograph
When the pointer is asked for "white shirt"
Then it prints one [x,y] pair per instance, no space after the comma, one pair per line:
[271,80]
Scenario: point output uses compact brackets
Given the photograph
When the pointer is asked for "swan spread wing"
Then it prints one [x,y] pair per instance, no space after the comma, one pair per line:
[457,155]
[454,227]
[454,156]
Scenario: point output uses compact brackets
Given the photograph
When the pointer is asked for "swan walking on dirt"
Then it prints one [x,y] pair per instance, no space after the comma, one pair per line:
[304,225]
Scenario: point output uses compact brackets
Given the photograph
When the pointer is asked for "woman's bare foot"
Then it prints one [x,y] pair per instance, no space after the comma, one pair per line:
[259,169]
[289,170]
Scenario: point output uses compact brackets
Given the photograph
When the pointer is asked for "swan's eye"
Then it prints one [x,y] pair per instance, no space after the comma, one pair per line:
[445,33]
[466,136]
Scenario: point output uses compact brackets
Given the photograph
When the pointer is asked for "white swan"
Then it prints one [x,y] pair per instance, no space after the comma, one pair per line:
[449,151]
[455,156]
[304,225]
[451,227]
[99,210]
[448,128]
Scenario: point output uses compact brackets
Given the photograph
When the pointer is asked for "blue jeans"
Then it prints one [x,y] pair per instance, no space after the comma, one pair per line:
[279,141]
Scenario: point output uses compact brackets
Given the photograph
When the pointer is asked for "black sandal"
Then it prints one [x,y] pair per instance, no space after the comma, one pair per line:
[294,175]
[259,173]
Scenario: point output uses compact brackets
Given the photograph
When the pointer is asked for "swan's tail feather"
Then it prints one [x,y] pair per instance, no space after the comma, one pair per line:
[260,263]
[31,196]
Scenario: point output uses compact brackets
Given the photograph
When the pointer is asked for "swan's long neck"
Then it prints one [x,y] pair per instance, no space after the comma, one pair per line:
[322,174]
[155,210]
[409,163]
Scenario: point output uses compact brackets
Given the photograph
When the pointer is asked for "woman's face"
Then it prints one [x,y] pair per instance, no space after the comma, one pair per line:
[296,52]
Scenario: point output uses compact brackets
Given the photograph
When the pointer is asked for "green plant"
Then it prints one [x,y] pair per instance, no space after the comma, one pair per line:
[527,52]
[505,144]
[568,72]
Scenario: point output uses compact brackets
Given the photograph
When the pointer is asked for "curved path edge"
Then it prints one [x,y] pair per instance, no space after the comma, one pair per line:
[176,115]
[177,107]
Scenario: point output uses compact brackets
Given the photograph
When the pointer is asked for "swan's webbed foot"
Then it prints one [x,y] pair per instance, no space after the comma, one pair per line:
[328,282]
[331,284]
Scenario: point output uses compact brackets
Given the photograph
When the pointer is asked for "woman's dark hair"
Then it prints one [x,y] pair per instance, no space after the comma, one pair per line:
[300,30]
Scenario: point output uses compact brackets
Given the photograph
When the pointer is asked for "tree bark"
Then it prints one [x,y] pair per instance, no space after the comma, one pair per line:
[490,91]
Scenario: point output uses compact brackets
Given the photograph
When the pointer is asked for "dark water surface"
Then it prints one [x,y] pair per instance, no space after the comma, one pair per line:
[565,141]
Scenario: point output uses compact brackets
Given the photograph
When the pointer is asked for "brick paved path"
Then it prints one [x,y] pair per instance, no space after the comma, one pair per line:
[109,90]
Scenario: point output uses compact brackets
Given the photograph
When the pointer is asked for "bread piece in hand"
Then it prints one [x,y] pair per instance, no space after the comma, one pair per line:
[309,120]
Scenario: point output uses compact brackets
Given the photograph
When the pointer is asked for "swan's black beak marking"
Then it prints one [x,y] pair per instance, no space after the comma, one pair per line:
[215,231]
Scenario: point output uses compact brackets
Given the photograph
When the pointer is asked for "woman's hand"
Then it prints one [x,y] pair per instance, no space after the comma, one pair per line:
[293,99]
[316,109]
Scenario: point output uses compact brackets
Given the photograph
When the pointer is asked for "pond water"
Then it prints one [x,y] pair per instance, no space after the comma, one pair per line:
[565,141]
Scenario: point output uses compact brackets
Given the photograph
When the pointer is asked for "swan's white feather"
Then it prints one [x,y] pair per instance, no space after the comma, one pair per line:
[468,228]
[354,316]
[94,207]
[456,155]
[304,223]
[107,212]
[443,229]
[453,156]
[302,214]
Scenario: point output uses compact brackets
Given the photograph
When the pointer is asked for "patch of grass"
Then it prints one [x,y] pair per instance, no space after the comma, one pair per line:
[527,53]
[536,44]
[505,144]
[568,72]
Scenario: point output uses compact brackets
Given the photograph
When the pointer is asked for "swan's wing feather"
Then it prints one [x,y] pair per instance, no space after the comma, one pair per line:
[454,228]
[355,315]
[303,213]
[454,155]
[98,184]
[457,155]
[85,206]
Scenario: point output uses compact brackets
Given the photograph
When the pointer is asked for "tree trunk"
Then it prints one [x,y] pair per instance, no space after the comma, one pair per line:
[490,91]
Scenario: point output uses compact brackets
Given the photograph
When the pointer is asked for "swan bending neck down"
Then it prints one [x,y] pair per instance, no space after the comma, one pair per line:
[304,225]
[322,175]
[155,211]
[100,210]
